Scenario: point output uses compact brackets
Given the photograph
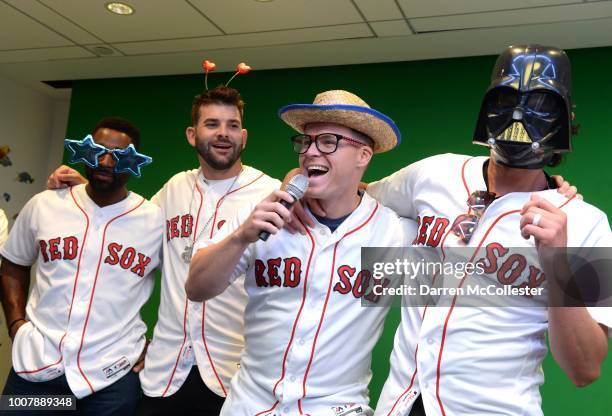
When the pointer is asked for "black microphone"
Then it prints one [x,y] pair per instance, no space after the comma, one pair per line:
[296,188]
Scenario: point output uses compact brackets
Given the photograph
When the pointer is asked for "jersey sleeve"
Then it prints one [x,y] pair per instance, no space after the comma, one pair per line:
[158,197]
[409,231]
[3,228]
[231,226]
[21,247]
[601,237]
[397,190]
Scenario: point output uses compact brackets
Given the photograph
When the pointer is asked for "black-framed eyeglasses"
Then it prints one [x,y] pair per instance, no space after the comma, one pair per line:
[465,224]
[325,142]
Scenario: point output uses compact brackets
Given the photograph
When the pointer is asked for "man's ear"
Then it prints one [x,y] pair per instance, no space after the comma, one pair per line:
[190,133]
[245,135]
[365,155]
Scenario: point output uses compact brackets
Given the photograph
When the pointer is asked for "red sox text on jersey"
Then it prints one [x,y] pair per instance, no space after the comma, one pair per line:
[66,248]
[288,272]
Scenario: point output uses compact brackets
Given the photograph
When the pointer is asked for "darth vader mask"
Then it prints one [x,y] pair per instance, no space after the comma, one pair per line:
[526,113]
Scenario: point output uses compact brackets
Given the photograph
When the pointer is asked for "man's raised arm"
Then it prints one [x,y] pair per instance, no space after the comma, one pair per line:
[213,266]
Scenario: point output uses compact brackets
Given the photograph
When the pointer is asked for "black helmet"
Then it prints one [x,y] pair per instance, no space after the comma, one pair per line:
[525,116]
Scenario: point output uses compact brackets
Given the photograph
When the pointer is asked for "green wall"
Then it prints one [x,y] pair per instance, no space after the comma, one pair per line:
[435,103]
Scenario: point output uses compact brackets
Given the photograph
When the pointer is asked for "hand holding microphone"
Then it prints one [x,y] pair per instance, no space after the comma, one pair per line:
[271,214]
[296,188]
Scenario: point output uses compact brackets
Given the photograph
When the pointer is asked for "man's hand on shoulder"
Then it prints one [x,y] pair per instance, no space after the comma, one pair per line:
[64,177]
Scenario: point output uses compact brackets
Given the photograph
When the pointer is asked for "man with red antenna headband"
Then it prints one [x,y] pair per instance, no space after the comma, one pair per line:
[95,246]
[308,337]
[196,346]
[475,360]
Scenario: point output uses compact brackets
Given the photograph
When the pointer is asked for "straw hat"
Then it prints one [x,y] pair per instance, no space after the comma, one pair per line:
[342,107]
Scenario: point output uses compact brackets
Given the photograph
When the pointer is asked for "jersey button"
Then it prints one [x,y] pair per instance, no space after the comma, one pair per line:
[430,341]
[286,409]
[292,378]
[301,341]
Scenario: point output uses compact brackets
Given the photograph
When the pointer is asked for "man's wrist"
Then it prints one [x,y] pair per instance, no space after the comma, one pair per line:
[239,237]
[15,325]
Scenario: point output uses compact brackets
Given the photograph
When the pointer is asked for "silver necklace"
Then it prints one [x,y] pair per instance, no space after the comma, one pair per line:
[187,252]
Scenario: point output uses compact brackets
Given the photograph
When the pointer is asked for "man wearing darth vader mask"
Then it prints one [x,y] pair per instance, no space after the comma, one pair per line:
[526,114]
[493,355]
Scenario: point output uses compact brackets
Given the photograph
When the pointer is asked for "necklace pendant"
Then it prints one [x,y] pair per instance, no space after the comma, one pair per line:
[186,256]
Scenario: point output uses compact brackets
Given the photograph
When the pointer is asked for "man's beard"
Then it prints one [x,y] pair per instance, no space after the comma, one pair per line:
[206,153]
[118,180]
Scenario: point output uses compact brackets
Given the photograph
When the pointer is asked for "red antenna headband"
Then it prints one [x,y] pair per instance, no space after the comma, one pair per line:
[209,66]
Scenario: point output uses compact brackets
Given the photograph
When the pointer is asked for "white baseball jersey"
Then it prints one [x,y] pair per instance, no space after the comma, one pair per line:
[308,338]
[93,276]
[476,360]
[3,228]
[211,333]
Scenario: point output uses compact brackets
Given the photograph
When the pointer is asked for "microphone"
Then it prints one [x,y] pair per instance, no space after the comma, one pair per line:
[296,188]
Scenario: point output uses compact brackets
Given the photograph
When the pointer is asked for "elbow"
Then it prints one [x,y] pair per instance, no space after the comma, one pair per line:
[585,377]
[193,294]
[196,292]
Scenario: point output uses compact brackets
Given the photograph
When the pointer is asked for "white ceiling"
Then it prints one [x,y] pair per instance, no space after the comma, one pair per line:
[42,40]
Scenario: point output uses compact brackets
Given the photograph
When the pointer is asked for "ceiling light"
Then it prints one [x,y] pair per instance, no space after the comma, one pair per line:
[119,8]
[102,50]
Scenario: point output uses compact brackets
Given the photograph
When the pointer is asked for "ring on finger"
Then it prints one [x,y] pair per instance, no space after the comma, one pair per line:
[536,219]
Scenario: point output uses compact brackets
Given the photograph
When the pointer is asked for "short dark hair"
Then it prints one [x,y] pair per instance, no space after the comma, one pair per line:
[555,161]
[122,125]
[219,95]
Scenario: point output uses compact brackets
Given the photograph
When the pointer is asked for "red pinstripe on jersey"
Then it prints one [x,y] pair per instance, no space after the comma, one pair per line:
[220,201]
[414,373]
[76,278]
[331,279]
[93,290]
[452,307]
[295,321]
[178,356]
[212,228]
[467,189]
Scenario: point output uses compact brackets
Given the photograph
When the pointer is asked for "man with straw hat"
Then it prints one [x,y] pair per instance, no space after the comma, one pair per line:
[305,291]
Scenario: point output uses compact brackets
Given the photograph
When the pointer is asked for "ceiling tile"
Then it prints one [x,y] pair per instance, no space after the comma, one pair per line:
[18,31]
[568,35]
[356,30]
[421,8]
[54,21]
[379,9]
[153,19]
[50,54]
[574,12]
[391,28]
[240,16]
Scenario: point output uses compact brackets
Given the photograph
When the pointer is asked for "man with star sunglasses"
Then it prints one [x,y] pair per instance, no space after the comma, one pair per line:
[79,332]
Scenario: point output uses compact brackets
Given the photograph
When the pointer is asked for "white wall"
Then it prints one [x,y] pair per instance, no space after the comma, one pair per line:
[33,125]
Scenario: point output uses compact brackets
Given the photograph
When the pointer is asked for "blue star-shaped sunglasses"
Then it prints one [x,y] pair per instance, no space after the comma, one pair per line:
[87,151]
